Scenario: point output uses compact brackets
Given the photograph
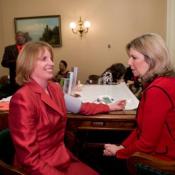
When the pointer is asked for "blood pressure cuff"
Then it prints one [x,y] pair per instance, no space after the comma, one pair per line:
[73,104]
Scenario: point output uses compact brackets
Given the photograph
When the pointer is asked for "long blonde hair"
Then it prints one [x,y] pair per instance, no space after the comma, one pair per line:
[156,54]
[27,58]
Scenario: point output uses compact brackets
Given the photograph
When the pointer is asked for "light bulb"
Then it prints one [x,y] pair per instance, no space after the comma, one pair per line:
[87,24]
[72,25]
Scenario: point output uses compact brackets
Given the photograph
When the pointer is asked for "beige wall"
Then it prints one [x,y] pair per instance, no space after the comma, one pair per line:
[114,22]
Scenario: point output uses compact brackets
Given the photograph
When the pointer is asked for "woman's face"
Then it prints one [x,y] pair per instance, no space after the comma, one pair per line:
[43,70]
[137,63]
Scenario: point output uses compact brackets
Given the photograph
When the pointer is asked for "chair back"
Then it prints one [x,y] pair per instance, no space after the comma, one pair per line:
[7,153]
[146,164]
[6,147]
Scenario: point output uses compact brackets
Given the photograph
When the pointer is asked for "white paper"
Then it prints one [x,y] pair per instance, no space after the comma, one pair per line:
[7,99]
[90,93]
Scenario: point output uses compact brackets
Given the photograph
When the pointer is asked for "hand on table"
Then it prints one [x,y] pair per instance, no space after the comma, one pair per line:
[118,105]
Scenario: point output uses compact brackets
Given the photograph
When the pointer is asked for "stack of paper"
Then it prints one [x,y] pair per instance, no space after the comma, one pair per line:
[91,93]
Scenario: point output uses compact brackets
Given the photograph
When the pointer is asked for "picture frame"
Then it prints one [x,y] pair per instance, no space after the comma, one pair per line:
[41,28]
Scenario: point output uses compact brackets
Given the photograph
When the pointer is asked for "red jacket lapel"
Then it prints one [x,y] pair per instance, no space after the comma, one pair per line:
[46,98]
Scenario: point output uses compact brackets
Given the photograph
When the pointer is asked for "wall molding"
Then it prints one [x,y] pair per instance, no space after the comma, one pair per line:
[170,34]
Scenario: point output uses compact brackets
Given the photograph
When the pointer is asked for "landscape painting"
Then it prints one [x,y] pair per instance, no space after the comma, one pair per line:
[41,28]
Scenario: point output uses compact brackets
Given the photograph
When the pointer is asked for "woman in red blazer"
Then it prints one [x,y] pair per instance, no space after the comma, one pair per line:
[37,117]
[155,133]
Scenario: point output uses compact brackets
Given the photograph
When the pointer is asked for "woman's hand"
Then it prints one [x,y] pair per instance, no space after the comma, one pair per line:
[111,149]
[118,105]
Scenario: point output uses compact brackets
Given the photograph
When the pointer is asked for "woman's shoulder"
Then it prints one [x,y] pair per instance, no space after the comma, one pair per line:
[164,81]
[162,85]
[24,93]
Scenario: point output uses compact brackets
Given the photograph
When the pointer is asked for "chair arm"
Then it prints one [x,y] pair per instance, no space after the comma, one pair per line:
[151,161]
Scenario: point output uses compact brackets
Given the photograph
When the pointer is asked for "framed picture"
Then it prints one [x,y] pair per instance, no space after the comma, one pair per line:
[41,28]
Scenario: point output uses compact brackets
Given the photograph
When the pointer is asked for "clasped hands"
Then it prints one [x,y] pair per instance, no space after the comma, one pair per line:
[111,149]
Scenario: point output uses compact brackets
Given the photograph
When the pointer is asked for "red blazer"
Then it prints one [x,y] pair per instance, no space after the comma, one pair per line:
[37,123]
[155,133]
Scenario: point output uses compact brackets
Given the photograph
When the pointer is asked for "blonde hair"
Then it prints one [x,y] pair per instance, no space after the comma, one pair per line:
[156,54]
[27,58]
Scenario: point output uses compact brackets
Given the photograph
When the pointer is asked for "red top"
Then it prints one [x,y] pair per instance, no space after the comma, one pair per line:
[155,133]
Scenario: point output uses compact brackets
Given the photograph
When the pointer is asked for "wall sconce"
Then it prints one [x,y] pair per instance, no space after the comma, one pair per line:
[81,27]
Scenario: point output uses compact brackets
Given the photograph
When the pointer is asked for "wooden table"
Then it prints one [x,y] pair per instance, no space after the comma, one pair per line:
[97,129]
[119,120]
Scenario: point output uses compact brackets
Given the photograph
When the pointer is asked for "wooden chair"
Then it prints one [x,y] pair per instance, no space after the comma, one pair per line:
[146,164]
[7,154]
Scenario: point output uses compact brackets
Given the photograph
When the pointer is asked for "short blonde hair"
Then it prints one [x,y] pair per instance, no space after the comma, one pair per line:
[27,58]
[156,54]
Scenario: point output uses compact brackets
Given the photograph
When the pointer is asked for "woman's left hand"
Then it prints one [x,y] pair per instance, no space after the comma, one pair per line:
[118,105]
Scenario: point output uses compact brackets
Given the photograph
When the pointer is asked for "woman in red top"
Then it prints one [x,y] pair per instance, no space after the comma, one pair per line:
[155,133]
[37,117]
